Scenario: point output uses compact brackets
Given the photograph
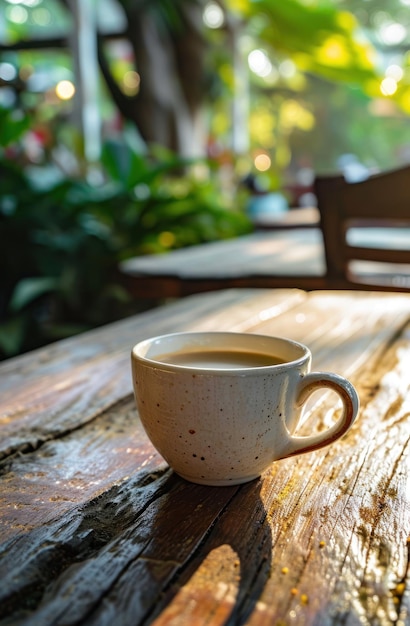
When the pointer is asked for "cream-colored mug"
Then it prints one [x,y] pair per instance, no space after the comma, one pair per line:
[220,407]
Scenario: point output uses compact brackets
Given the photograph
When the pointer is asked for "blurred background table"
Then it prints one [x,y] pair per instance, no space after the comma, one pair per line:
[304,217]
[267,258]
[276,257]
[96,529]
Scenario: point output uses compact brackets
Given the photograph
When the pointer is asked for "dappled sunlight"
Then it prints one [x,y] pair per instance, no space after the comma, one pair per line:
[395,71]
[392,33]
[213,15]
[17,14]
[262,162]
[333,52]
[294,115]
[259,63]
[263,127]
[65,90]
[346,21]
[393,75]
[388,86]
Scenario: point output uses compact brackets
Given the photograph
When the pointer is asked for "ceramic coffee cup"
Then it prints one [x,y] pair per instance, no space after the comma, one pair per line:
[220,407]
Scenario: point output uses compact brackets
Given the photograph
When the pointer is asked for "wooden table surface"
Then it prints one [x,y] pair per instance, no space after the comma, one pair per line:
[95,529]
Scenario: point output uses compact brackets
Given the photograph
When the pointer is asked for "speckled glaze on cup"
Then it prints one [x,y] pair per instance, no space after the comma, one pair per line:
[226,426]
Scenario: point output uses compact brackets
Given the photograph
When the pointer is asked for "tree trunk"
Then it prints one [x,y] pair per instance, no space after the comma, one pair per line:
[170,61]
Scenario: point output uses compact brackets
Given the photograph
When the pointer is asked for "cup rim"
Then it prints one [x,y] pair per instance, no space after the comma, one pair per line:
[137,356]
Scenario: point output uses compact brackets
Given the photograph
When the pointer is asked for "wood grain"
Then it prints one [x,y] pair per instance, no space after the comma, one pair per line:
[61,387]
[95,529]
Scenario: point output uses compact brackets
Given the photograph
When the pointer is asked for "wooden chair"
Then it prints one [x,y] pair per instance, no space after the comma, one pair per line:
[366,230]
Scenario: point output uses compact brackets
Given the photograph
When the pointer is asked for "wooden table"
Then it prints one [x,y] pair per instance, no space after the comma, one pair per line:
[292,257]
[266,258]
[95,529]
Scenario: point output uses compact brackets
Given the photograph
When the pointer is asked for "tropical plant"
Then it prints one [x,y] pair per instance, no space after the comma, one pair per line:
[61,243]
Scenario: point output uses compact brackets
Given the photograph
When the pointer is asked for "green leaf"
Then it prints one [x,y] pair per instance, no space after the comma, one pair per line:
[12,125]
[12,334]
[28,289]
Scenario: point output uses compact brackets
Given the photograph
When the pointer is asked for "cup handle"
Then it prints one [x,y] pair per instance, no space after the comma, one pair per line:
[350,400]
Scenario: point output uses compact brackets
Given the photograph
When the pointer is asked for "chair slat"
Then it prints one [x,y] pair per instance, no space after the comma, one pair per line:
[382,200]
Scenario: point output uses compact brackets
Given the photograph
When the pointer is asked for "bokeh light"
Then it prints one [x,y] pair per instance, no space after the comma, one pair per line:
[287,69]
[392,33]
[166,239]
[17,14]
[131,83]
[333,52]
[295,115]
[26,71]
[259,63]
[213,15]
[262,125]
[388,86]
[27,3]
[262,162]
[65,89]
[395,71]
[7,72]
[41,16]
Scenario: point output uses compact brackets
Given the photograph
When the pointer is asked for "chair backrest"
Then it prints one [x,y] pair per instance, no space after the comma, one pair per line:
[366,230]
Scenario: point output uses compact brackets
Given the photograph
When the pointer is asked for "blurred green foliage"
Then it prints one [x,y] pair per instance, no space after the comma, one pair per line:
[61,242]
[320,37]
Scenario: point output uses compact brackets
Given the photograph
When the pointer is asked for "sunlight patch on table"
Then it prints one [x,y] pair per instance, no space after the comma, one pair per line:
[214,585]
